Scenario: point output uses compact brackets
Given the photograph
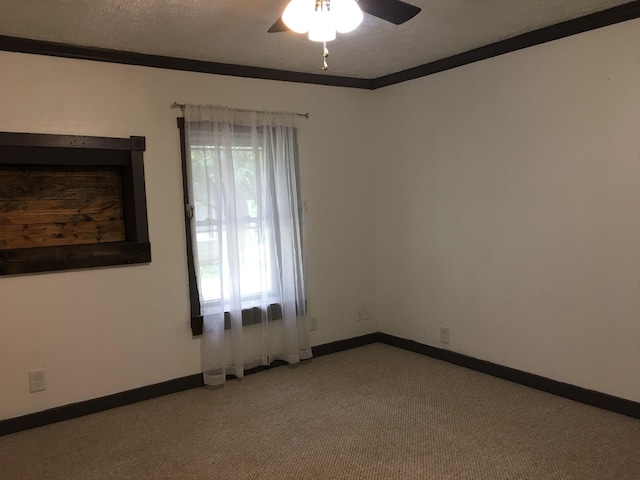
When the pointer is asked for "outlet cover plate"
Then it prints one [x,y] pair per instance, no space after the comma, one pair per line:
[37,381]
[444,335]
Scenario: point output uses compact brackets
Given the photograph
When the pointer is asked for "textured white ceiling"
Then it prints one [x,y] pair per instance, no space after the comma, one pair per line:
[235,31]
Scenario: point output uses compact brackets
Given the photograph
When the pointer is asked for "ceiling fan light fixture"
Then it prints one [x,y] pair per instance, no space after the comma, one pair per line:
[297,15]
[322,27]
[323,18]
[347,15]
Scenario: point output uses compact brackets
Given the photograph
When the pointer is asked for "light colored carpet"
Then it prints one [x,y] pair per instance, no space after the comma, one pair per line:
[375,412]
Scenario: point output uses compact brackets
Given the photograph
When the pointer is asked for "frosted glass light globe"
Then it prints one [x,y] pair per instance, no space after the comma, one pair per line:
[347,15]
[297,15]
[322,26]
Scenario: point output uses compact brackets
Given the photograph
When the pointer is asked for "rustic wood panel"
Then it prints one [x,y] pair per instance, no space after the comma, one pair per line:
[60,205]
[42,234]
[39,184]
[71,202]
[59,211]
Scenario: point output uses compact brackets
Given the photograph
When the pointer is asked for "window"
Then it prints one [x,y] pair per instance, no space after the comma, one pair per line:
[244,238]
[244,219]
[212,226]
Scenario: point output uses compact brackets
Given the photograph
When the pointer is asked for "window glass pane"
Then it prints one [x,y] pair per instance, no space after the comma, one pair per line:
[212,226]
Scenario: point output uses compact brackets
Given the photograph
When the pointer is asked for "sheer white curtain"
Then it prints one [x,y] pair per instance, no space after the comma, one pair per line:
[242,175]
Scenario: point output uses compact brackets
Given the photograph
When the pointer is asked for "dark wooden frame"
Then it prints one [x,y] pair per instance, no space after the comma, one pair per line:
[47,150]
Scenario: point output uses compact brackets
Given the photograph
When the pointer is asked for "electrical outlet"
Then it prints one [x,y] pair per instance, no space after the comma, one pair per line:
[363,313]
[37,381]
[313,324]
[444,335]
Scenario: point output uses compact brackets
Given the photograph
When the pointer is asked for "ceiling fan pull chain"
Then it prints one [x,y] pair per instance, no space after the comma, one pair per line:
[325,54]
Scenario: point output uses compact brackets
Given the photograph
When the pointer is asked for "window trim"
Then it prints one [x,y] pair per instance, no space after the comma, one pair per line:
[197,320]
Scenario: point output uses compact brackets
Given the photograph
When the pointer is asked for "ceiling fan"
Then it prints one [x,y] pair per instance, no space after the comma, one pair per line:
[322,18]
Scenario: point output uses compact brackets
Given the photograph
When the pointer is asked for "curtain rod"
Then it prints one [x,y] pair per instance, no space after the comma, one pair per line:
[182,105]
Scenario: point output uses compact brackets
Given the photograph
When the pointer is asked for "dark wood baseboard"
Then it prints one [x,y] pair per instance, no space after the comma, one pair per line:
[87,407]
[346,344]
[579,394]
[74,410]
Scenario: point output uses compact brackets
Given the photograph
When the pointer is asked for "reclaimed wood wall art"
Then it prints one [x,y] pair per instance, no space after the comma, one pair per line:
[44,206]
[71,202]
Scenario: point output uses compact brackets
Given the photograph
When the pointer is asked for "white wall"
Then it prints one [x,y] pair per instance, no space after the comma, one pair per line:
[508,209]
[101,331]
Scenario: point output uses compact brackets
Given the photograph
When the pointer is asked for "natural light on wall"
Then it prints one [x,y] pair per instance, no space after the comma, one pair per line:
[322,19]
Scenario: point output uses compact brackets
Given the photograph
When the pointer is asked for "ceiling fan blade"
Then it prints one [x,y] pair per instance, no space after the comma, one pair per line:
[279,26]
[394,11]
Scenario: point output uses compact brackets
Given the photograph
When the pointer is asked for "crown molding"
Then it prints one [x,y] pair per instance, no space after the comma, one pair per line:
[53,49]
[604,18]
